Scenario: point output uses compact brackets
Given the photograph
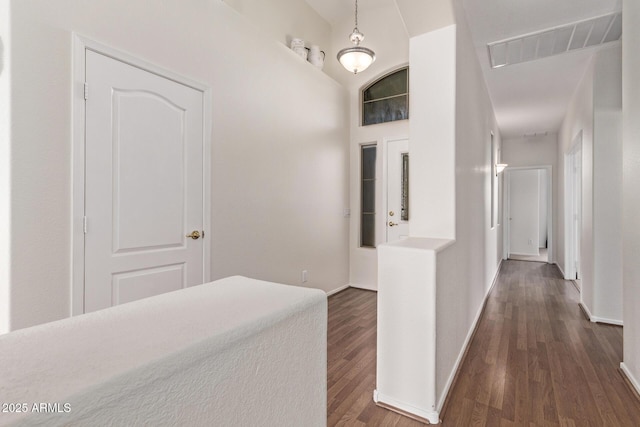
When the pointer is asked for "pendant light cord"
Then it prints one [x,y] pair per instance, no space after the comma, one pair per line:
[356,13]
[356,58]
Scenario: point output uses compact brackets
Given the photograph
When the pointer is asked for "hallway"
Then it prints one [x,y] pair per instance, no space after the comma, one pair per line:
[535,360]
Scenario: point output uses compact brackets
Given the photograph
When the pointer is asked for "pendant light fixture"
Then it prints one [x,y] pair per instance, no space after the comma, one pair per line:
[356,58]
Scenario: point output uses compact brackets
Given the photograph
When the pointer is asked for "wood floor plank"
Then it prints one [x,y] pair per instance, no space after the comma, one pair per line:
[534,361]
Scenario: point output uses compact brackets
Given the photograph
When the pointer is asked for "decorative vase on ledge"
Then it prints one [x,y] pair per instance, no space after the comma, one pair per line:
[316,56]
[297,45]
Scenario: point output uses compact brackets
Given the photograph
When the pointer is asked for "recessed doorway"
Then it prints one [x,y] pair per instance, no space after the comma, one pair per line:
[529,220]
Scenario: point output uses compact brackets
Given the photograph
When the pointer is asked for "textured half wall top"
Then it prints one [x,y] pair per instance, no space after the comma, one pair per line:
[234,352]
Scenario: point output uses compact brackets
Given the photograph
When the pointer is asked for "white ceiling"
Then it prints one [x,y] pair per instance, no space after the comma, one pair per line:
[530,97]
[533,96]
[336,11]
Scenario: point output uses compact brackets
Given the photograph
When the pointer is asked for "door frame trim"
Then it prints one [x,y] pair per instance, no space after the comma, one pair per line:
[570,191]
[80,45]
[507,210]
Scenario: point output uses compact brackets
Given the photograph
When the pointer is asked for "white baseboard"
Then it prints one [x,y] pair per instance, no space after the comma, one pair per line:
[340,289]
[523,254]
[596,319]
[634,382]
[495,279]
[467,342]
[404,408]
[365,287]
[561,271]
[586,311]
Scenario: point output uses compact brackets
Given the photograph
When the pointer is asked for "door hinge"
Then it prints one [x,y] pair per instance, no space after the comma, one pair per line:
[84,224]
[86,91]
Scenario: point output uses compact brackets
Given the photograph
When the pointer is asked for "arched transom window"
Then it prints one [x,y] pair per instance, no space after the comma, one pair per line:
[386,99]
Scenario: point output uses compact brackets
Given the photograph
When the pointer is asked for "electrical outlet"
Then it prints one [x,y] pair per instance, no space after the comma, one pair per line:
[530,242]
[305,276]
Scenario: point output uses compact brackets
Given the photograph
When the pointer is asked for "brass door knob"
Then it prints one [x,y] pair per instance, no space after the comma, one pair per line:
[391,213]
[195,235]
[392,224]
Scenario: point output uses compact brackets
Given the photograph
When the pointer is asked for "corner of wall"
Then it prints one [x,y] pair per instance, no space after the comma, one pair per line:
[433,110]
[464,282]
[578,121]
[631,182]
[5,166]
[607,184]
[633,380]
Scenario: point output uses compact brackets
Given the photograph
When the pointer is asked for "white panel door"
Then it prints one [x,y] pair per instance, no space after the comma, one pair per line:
[143,184]
[524,212]
[397,190]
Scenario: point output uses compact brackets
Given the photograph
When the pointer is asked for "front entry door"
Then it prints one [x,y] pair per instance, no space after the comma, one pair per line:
[397,190]
[143,184]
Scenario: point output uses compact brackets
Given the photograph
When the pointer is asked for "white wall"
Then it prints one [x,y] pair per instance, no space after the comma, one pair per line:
[279,143]
[433,134]
[631,183]
[596,110]
[450,195]
[5,165]
[530,150]
[283,20]
[476,255]
[579,118]
[607,185]
[408,303]
[407,269]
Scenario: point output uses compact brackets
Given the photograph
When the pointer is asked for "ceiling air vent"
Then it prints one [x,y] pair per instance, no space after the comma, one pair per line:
[557,40]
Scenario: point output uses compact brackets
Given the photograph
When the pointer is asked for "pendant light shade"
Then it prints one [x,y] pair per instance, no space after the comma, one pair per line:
[356,58]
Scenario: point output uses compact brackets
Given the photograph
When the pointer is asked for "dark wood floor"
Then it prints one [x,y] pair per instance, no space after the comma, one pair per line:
[534,360]
[352,363]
